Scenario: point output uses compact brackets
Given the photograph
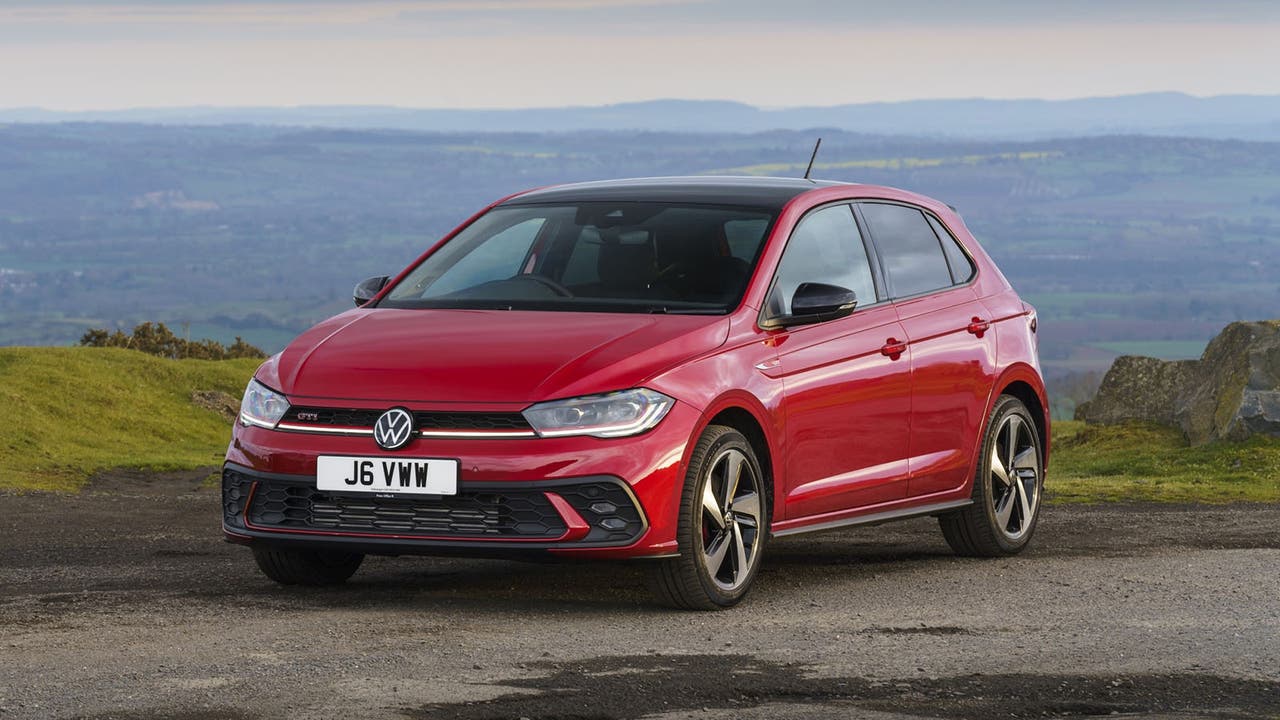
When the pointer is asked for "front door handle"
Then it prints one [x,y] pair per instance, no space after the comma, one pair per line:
[893,348]
[978,326]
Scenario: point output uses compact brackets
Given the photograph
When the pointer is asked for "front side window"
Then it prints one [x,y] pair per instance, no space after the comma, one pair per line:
[593,257]
[825,247]
[913,258]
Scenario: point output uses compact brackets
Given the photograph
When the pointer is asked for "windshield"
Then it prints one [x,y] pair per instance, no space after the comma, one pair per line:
[594,257]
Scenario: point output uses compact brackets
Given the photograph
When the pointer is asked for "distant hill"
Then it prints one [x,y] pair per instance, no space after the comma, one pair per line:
[1245,117]
[1125,244]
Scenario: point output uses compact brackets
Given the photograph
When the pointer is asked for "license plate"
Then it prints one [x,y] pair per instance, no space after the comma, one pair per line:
[387,475]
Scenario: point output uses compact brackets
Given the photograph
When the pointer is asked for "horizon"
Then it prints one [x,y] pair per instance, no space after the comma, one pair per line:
[643,101]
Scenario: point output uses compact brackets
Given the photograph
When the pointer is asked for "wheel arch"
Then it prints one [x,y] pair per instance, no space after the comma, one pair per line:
[740,419]
[1024,383]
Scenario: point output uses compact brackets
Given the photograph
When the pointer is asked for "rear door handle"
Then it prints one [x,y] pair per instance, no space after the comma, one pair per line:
[893,348]
[978,326]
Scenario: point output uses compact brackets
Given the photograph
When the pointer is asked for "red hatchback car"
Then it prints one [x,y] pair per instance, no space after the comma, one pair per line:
[676,369]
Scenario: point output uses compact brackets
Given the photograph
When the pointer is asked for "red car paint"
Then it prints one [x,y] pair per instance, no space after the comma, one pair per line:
[869,416]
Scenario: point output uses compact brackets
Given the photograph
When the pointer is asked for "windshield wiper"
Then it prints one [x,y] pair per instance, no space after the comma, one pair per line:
[664,310]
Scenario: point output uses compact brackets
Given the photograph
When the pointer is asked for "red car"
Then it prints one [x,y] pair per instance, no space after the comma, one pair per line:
[674,369]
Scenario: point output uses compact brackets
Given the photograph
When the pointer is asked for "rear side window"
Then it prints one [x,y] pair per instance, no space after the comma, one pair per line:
[825,247]
[913,257]
[961,265]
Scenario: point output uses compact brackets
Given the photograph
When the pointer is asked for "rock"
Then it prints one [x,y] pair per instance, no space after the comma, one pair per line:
[217,401]
[1231,392]
[1140,388]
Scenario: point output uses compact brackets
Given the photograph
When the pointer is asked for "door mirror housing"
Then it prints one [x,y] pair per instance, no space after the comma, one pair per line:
[817,302]
[369,289]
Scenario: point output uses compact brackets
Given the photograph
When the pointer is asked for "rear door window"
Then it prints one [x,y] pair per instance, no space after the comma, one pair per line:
[913,257]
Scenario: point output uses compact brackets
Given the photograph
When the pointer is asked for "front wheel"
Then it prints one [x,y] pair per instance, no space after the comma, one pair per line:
[722,529]
[289,566]
[1006,488]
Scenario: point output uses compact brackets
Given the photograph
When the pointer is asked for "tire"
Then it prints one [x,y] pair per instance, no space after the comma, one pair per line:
[306,567]
[721,534]
[998,522]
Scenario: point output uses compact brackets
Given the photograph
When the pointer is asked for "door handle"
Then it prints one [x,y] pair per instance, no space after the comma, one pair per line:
[978,326]
[893,348]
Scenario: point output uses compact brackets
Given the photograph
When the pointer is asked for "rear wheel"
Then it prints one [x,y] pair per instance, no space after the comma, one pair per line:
[723,526]
[1006,488]
[289,566]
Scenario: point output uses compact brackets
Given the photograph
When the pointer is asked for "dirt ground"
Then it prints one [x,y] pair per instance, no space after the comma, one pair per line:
[123,602]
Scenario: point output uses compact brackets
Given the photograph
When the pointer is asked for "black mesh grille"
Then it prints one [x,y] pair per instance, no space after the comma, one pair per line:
[235,490]
[470,421]
[607,508]
[521,514]
[424,419]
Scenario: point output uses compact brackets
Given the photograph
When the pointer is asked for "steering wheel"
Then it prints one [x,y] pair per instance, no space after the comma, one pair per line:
[547,282]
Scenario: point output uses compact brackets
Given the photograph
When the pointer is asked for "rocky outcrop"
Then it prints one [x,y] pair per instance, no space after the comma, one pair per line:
[1231,392]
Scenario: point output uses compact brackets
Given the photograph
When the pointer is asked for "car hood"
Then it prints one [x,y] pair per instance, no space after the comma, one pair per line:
[485,356]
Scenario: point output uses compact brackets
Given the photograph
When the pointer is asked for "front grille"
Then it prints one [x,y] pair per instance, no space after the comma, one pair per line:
[515,514]
[424,419]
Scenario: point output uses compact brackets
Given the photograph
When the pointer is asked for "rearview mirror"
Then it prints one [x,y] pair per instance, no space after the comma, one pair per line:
[369,289]
[817,302]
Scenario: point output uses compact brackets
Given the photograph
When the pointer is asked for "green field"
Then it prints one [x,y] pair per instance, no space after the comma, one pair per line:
[1163,349]
[74,411]
[1091,463]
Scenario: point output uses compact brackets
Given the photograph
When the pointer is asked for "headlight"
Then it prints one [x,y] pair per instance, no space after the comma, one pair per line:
[613,415]
[262,406]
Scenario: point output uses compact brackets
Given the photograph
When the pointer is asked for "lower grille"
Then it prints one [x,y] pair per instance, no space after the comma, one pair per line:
[515,514]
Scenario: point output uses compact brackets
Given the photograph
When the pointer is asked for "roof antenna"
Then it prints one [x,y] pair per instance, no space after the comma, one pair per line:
[812,158]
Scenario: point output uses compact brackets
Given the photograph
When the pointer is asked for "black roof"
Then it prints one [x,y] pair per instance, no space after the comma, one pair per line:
[762,192]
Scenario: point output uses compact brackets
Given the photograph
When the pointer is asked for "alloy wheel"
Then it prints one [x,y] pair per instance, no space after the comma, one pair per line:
[1015,476]
[731,519]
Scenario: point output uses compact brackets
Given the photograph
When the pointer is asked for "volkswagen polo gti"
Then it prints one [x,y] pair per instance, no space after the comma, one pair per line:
[671,369]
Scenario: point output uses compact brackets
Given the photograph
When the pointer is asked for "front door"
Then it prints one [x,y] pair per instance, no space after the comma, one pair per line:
[846,391]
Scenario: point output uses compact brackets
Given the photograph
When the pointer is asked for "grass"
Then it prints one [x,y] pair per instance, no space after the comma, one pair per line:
[1093,463]
[71,412]
[74,411]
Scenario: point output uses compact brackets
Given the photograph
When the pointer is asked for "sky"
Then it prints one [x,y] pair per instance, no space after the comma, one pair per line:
[113,54]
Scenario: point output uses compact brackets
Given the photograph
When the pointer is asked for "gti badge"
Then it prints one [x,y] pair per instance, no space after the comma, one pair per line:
[393,429]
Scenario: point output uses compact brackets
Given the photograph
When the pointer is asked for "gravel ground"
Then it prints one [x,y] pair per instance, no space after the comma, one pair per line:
[123,602]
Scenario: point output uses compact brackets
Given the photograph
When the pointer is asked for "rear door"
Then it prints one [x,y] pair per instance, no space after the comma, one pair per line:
[845,401]
[951,341]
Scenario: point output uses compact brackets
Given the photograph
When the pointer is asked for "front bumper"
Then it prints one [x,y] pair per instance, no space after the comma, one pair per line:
[577,496]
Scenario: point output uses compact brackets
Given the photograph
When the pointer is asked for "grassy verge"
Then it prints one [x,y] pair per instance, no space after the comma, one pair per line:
[1148,462]
[73,411]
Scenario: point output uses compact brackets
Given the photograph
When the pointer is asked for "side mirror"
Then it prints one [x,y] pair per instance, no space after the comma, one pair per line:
[818,302]
[369,289]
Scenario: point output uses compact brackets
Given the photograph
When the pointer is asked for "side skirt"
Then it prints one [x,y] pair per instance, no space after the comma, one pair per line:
[877,518]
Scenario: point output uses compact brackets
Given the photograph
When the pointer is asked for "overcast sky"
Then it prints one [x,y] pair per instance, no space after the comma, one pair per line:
[106,54]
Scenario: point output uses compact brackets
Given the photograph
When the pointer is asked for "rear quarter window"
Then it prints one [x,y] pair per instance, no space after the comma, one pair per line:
[961,266]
